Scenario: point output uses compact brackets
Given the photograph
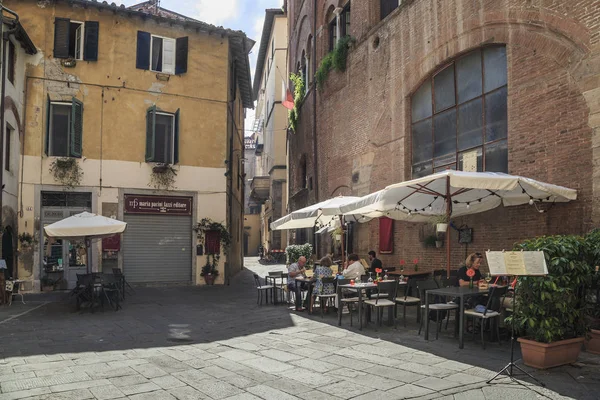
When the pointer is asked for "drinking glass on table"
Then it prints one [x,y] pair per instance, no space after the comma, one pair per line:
[370,278]
[488,277]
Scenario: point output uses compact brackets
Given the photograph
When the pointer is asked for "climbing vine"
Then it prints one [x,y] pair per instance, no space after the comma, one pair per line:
[205,225]
[299,91]
[163,177]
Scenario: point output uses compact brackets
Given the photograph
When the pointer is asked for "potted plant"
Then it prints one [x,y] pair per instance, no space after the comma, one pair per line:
[209,271]
[550,310]
[441,223]
[337,234]
[439,244]
[430,241]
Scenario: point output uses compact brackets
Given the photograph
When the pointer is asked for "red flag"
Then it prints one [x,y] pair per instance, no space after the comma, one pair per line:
[289,101]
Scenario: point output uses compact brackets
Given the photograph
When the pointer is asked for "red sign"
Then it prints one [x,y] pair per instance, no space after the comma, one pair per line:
[112,243]
[141,204]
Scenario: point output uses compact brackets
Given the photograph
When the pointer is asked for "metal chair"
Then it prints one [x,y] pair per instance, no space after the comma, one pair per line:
[348,301]
[123,282]
[278,284]
[325,298]
[491,313]
[386,300]
[85,291]
[407,301]
[438,307]
[262,288]
[111,291]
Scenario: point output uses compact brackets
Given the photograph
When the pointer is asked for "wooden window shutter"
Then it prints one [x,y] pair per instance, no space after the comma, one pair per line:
[76,131]
[181,55]
[176,138]
[142,60]
[48,111]
[61,37]
[90,44]
[150,132]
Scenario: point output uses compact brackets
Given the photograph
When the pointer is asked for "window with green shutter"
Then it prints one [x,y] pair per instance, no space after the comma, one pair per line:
[64,134]
[162,136]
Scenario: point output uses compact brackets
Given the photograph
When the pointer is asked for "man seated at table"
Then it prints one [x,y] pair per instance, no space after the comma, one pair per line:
[355,269]
[297,270]
[375,262]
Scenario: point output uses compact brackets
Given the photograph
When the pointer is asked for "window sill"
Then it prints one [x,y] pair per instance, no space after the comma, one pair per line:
[163,76]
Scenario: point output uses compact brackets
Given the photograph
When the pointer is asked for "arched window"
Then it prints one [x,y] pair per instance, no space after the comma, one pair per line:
[459,116]
[303,67]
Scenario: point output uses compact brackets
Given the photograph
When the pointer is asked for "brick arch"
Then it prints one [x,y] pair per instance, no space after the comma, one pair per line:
[303,32]
[327,10]
[9,104]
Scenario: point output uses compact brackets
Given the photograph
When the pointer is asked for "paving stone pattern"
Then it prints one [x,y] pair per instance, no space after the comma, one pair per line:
[216,343]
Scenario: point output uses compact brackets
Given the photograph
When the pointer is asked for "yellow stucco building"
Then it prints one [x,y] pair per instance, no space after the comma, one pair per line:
[134,113]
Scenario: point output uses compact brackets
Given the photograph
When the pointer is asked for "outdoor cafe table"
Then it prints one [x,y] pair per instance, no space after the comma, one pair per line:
[462,293]
[358,288]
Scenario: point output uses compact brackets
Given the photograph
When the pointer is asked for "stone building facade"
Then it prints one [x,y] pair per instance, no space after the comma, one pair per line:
[531,68]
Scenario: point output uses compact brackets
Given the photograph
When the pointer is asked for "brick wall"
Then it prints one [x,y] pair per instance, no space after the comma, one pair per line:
[363,114]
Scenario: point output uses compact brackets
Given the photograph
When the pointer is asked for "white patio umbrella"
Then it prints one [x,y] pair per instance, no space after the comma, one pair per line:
[321,214]
[455,193]
[85,226]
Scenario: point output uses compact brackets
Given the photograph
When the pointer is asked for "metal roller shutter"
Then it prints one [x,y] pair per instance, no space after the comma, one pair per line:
[156,248]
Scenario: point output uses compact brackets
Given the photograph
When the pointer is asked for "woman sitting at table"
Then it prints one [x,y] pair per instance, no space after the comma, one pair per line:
[323,270]
[472,262]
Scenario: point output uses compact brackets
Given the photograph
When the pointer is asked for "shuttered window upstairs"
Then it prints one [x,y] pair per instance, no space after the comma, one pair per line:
[162,136]
[161,54]
[75,39]
[64,135]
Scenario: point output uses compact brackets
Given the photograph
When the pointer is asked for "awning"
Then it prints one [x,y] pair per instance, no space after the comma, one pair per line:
[85,225]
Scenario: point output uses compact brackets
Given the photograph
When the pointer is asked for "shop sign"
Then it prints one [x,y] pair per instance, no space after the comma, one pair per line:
[140,204]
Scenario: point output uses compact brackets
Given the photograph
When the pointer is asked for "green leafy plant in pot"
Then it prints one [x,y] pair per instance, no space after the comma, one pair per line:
[550,310]
[210,271]
[440,222]
[592,342]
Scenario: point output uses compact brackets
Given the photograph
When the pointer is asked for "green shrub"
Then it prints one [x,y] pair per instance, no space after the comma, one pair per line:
[299,92]
[551,308]
[295,251]
[334,60]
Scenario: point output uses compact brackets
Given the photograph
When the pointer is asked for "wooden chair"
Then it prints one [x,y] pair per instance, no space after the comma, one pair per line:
[491,313]
[386,300]
[262,288]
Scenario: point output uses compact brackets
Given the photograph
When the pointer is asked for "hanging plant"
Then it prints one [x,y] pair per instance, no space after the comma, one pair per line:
[163,177]
[299,92]
[67,171]
[334,60]
[26,239]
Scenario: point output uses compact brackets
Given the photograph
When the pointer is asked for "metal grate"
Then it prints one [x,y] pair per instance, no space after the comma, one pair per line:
[66,199]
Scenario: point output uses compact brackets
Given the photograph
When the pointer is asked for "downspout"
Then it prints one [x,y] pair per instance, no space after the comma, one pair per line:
[314,87]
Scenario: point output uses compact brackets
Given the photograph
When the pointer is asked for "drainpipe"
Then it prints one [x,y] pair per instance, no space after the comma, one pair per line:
[314,60]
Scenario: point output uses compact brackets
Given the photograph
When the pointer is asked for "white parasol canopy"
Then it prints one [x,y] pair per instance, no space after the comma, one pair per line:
[85,225]
[469,193]
[324,213]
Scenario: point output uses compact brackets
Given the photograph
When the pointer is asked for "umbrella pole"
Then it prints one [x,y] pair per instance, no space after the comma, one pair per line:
[448,213]
[343,238]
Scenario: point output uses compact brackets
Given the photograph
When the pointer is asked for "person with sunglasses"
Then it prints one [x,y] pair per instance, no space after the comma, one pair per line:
[472,262]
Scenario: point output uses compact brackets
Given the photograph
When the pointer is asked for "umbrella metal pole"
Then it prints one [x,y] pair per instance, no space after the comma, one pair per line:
[343,238]
[448,213]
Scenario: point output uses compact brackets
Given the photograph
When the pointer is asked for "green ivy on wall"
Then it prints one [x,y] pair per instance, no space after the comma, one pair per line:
[299,91]
[334,60]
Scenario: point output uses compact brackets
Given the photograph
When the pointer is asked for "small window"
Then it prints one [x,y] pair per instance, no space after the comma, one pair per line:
[12,59]
[161,54]
[76,39]
[8,144]
[65,126]
[162,136]
[387,6]
[332,34]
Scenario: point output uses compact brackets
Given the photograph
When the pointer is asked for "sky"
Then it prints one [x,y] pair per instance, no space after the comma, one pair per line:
[243,15]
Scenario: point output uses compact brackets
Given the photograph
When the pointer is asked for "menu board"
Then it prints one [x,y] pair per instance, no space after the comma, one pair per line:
[517,263]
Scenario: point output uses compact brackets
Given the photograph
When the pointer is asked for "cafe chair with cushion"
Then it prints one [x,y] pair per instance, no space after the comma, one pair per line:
[407,301]
[348,298]
[277,279]
[262,289]
[491,312]
[381,302]
[437,306]
[324,299]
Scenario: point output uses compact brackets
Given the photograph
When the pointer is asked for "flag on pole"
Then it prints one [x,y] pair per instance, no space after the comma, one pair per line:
[289,101]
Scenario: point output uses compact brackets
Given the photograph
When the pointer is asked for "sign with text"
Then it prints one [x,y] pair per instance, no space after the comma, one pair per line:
[141,204]
[517,263]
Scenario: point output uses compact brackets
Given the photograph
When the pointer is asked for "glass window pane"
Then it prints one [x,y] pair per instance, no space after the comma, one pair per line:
[440,161]
[422,169]
[444,132]
[496,157]
[421,102]
[496,125]
[163,138]
[157,54]
[421,141]
[60,120]
[494,64]
[470,124]
[443,87]
[471,160]
[468,76]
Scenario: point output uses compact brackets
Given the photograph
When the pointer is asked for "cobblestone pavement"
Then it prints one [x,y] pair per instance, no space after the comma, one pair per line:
[217,343]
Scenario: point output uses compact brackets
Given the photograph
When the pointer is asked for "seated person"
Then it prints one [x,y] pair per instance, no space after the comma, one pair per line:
[355,269]
[375,262]
[297,270]
[323,271]
[472,262]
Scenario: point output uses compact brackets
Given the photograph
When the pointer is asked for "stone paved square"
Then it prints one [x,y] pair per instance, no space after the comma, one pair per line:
[233,348]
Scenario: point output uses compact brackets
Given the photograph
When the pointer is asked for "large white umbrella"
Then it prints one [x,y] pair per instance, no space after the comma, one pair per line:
[85,226]
[320,214]
[455,193]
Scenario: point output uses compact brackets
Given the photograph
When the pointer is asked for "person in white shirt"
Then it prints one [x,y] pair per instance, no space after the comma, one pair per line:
[355,269]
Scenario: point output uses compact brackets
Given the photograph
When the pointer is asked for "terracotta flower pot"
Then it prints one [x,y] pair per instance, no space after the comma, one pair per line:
[548,355]
[592,345]
[209,279]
